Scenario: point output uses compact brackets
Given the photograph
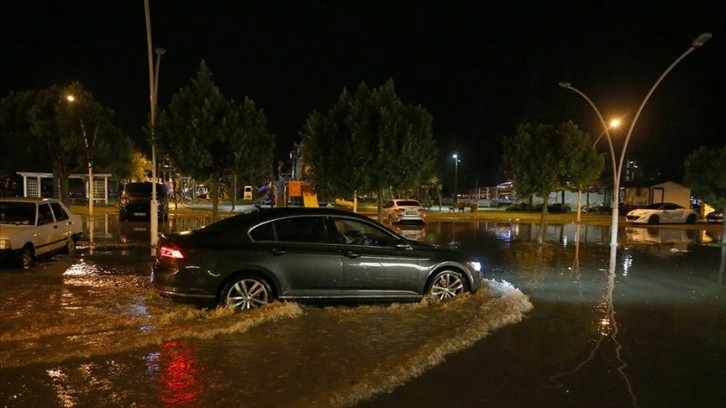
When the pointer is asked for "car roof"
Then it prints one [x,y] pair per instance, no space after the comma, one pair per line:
[29,200]
[262,214]
[274,212]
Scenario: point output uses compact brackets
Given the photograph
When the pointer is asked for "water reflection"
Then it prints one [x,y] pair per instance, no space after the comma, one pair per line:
[174,370]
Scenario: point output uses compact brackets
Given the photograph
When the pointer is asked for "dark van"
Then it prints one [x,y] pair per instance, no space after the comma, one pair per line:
[134,201]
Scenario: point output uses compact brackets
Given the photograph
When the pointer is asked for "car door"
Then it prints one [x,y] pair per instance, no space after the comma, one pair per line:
[671,213]
[302,257]
[49,235]
[375,264]
[62,219]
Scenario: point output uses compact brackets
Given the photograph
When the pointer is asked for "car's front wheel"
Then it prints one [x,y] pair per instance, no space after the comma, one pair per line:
[27,256]
[246,292]
[691,219]
[654,219]
[447,284]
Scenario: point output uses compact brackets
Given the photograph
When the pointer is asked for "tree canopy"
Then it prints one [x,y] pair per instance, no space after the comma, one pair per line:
[210,137]
[62,134]
[543,158]
[369,141]
[706,175]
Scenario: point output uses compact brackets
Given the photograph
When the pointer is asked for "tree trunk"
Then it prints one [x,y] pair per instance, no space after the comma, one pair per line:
[543,219]
[380,205]
[61,176]
[214,190]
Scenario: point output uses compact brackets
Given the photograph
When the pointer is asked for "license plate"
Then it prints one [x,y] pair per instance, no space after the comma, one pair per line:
[411,213]
[139,214]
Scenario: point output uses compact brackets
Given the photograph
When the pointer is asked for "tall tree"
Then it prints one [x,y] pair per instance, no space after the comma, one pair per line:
[706,175]
[533,160]
[582,164]
[50,129]
[16,154]
[209,137]
[369,141]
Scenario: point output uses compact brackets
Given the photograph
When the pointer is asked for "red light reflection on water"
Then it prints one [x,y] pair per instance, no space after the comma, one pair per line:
[178,382]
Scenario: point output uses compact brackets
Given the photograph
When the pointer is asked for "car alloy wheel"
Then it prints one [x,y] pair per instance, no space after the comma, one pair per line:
[447,284]
[654,219]
[246,293]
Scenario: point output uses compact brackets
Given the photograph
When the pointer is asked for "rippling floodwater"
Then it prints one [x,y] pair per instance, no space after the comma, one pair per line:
[87,330]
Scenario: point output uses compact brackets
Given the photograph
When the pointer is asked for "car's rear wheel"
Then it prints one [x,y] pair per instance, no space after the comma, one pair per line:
[691,219]
[654,219]
[246,292]
[70,246]
[447,284]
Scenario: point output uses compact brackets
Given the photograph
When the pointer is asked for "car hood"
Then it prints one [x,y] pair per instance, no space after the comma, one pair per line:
[7,230]
[641,211]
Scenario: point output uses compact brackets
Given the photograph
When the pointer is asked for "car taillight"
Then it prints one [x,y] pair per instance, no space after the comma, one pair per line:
[170,252]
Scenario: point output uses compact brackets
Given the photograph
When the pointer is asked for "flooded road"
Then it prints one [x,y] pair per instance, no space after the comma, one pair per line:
[555,326]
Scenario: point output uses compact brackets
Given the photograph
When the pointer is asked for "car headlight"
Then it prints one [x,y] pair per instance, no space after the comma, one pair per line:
[475,265]
[5,244]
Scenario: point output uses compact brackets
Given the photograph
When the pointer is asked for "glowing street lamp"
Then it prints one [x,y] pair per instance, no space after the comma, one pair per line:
[617,170]
[614,123]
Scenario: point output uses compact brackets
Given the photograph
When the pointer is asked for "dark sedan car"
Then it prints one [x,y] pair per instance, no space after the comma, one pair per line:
[317,254]
[715,217]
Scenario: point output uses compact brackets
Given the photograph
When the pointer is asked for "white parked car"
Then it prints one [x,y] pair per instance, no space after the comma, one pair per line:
[30,227]
[404,210]
[662,213]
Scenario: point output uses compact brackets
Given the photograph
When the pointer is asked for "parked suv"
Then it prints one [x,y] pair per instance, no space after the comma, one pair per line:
[134,201]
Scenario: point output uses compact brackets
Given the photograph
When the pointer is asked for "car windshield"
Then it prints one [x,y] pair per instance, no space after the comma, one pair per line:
[17,213]
[143,189]
[655,206]
[408,203]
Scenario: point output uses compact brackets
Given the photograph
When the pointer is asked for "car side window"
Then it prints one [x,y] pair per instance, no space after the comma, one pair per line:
[59,212]
[45,214]
[301,229]
[354,232]
[264,232]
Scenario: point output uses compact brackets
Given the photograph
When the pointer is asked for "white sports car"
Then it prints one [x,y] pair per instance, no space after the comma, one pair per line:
[662,213]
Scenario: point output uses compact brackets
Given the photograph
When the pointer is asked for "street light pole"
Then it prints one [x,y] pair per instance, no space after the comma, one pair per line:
[153,91]
[89,160]
[617,171]
[456,177]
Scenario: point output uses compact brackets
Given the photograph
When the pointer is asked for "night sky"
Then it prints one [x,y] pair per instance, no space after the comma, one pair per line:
[478,67]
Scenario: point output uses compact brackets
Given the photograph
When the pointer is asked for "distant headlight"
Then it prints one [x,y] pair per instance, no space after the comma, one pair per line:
[475,265]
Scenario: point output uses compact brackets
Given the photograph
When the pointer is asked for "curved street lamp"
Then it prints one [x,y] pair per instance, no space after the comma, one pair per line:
[614,123]
[617,170]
